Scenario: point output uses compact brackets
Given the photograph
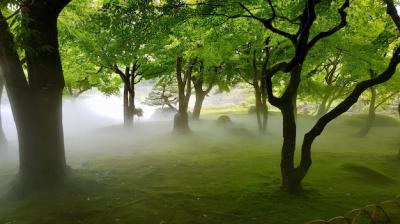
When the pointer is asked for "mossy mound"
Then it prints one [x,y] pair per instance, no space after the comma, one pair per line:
[224,120]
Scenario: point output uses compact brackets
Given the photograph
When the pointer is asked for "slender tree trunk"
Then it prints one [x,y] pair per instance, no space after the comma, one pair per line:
[128,116]
[198,105]
[323,107]
[259,107]
[200,94]
[132,107]
[264,99]
[371,114]
[371,110]
[129,102]
[261,96]
[3,139]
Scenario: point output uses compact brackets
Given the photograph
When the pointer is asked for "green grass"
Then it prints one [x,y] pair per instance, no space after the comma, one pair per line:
[215,177]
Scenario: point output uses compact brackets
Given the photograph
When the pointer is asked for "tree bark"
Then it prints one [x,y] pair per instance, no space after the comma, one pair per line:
[128,78]
[128,115]
[181,119]
[290,181]
[198,105]
[37,104]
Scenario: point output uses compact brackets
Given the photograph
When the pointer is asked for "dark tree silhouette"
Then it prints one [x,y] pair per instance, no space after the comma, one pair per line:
[37,102]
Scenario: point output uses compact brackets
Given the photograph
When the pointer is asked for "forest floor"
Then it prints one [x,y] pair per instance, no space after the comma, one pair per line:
[215,175]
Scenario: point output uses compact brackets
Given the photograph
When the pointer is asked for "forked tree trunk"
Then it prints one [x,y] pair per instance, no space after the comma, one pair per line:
[260,95]
[129,79]
[261,108]
[181,118]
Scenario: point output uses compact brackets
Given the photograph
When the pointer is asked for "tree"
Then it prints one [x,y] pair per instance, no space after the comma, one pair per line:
[304,35]
[253,71]
[120,46]
[184,81]
[36,103]
[164,93]
[200,92]
[85,75]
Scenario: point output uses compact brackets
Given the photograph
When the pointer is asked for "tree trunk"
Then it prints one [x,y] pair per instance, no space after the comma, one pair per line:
[371,114]
[37,104]
[264,106]
[41,142]
[290,181]
[3,139]
[259,107]
[323,107]
[128,116]
[371,111]
[181,119]
[198,105]
[42,155]
[200,93]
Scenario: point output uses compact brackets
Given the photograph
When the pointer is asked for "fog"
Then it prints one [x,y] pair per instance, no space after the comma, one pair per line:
[93,124]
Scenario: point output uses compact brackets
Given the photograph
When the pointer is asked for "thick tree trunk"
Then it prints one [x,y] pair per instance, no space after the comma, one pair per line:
[42,156]
[3,139]
[290,181]
[37,104]
[41,142]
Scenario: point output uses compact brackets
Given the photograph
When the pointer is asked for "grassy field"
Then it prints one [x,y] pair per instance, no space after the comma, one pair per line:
[215,175]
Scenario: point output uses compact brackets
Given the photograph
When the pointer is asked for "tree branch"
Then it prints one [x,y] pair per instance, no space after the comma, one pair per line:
[333,30]
[392,12]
